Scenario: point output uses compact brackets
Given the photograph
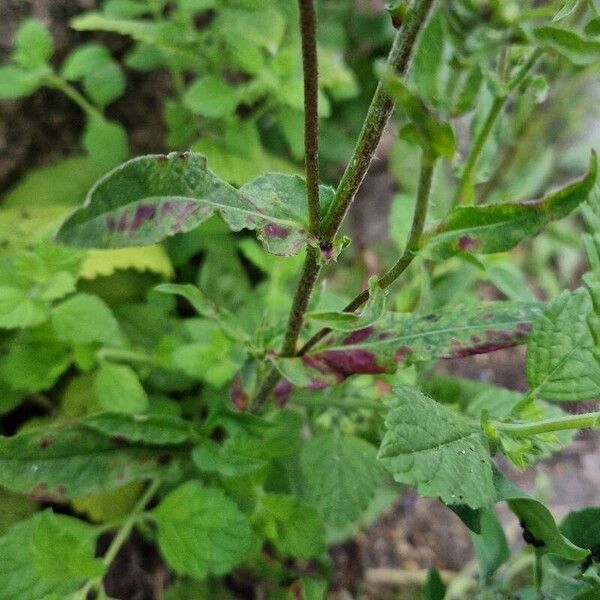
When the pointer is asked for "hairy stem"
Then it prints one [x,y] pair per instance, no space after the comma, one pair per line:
[466,179]
[377,117]
[375,122]
[308,30]
[549,425]
[410,251]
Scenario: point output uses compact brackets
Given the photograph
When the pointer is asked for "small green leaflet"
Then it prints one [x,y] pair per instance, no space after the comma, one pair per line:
[118,388]
[345,321]
[568,43]
[561,364]
[47,555]
[437,450]
[153,197]
[59,462]
[34,45]
[341,474]
[399,339]
[434,588]
[491,547]
[499,227]
[201,532]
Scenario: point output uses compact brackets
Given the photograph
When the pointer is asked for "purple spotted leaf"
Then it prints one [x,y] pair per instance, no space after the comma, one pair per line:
[149,198]
[499,227]
[401,339]
[60,462]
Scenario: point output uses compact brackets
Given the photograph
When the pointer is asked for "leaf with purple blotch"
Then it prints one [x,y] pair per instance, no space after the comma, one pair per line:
[499,227]
[399,339]
[149,198]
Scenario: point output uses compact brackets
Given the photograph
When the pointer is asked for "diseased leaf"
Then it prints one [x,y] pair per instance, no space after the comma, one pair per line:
[202,532]
[568,43]
[152,197]
[341,474]
[401,339]
[437,450]
[499,227]
[59,462]
[47,555]
[561,364]
[156,430]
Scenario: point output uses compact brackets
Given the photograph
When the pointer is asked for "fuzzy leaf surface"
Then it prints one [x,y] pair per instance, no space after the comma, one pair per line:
[149,198]
[499,227]
[561,364]
[399,339]
[438,451]
[341,474]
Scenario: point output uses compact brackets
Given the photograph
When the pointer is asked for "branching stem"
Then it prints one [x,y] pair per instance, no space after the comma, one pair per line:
[549,425]
[466,179]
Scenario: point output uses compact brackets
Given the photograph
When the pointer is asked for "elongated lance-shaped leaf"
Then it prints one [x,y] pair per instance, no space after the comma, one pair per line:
[57,463]
[499,227]
[149,198]
[576,48]
[400,339]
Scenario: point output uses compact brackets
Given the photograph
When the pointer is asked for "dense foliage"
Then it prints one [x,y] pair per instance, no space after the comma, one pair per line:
[164,371]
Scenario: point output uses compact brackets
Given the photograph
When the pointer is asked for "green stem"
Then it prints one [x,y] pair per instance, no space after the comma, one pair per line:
[377,117]
[119,354]
[308,30]
[410,251]
[56,82]
[549,425]
[466,179]
[122,534]
[375,121]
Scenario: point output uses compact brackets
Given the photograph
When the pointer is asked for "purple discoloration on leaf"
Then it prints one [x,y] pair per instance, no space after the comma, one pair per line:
[466,243]
[282,392]
[384,335]
[350,362]
[143,213]
[45,442]
[524,327]
[360,335]
[275,231]
[475,339]
[42,493]
[110,222]
[402,353]
[237,394]
[122,222]
[483,348]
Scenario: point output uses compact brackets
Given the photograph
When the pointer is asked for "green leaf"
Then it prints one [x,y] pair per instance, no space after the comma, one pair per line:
[293,526]
[539,526]
[156,430]
[568,43]
[139,29]
[400,339]
[14,508]
[105,83]
[33,45]
[152,197]
[34,363]
[343,321]
[228,460]
[438,451]
[341,474]
[499,227]
[118,389]
[434,588]
[16,82]
[105,141]
[582,527]
[18,310]
[59,462]
[201,532]
[491,547]
[561,362]
[434,136]
[593,27]
[211,97]
[566,9]
[428,59]
[84,59]
[47,555]
[86,319]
